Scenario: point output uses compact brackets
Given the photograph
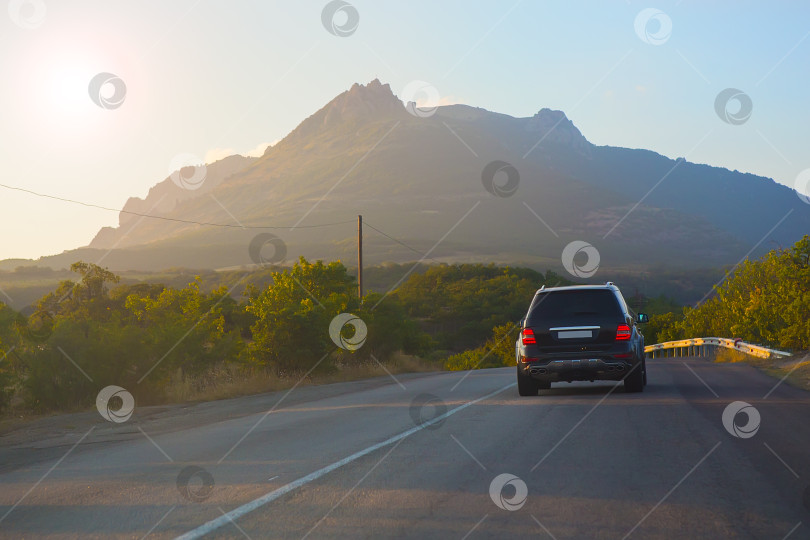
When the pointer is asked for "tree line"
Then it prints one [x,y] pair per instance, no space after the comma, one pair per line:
[765,301]
[92,331]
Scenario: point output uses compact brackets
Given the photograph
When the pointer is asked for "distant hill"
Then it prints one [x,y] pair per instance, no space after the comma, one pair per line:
[415,178]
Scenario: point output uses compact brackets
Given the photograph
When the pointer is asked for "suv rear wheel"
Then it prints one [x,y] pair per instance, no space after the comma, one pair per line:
[526,385]
[634,381]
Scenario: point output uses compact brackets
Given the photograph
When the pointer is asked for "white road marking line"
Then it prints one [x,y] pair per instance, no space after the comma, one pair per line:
[241,530]
[246,508]
[346,495]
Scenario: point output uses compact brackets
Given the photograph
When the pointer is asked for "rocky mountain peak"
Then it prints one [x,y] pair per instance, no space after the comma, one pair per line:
[361,101]
[554,127]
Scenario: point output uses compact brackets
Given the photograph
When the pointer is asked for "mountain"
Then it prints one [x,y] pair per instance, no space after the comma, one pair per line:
[418,178]
[164,197]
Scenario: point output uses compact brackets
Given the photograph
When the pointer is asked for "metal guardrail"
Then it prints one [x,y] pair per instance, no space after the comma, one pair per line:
[703,346]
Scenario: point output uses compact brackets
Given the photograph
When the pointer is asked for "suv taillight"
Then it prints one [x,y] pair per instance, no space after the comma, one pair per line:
[623,332]
[527,336]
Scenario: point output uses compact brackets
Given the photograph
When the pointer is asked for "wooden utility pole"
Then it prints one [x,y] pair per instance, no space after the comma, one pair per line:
[360,257]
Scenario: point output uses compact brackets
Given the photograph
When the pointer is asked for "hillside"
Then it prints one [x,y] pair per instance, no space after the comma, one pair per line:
[415,178]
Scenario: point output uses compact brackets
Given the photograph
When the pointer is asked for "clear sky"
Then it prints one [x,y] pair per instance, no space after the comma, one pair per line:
[211,78]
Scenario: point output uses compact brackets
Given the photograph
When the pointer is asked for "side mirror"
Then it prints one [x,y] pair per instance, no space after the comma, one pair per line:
[643,318]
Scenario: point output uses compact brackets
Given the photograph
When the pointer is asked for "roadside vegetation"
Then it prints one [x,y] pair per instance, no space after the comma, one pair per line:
[794,369]
[167,343]
[764,301]
[203,341]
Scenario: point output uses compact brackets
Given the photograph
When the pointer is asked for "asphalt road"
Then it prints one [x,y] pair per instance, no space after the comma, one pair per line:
[423,458]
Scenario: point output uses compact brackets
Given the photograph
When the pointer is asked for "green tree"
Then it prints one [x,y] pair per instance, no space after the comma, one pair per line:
[764,301]
[94,280]
[131,336]
[9,341]
[182,329]
[460,304]
[498,351]
[291,332]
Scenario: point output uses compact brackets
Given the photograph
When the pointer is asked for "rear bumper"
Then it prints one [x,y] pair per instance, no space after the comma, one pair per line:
[546,365]
[589,369]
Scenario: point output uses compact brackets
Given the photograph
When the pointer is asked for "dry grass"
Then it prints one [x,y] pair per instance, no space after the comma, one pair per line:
[232,380]
[796,367]
[732,356]
[228,380]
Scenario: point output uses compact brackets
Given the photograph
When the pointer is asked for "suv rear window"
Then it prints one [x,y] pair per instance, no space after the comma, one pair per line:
[571,304]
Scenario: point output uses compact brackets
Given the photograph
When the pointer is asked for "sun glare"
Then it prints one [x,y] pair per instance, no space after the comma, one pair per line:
[55,86]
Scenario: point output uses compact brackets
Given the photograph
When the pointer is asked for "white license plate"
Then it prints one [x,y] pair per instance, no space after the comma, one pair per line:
[571,334]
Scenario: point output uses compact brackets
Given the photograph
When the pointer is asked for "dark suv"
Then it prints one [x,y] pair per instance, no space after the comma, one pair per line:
[580,333]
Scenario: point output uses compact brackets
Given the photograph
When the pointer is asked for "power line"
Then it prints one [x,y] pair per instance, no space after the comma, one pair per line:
[403,244]
[165,218]
[208,224]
